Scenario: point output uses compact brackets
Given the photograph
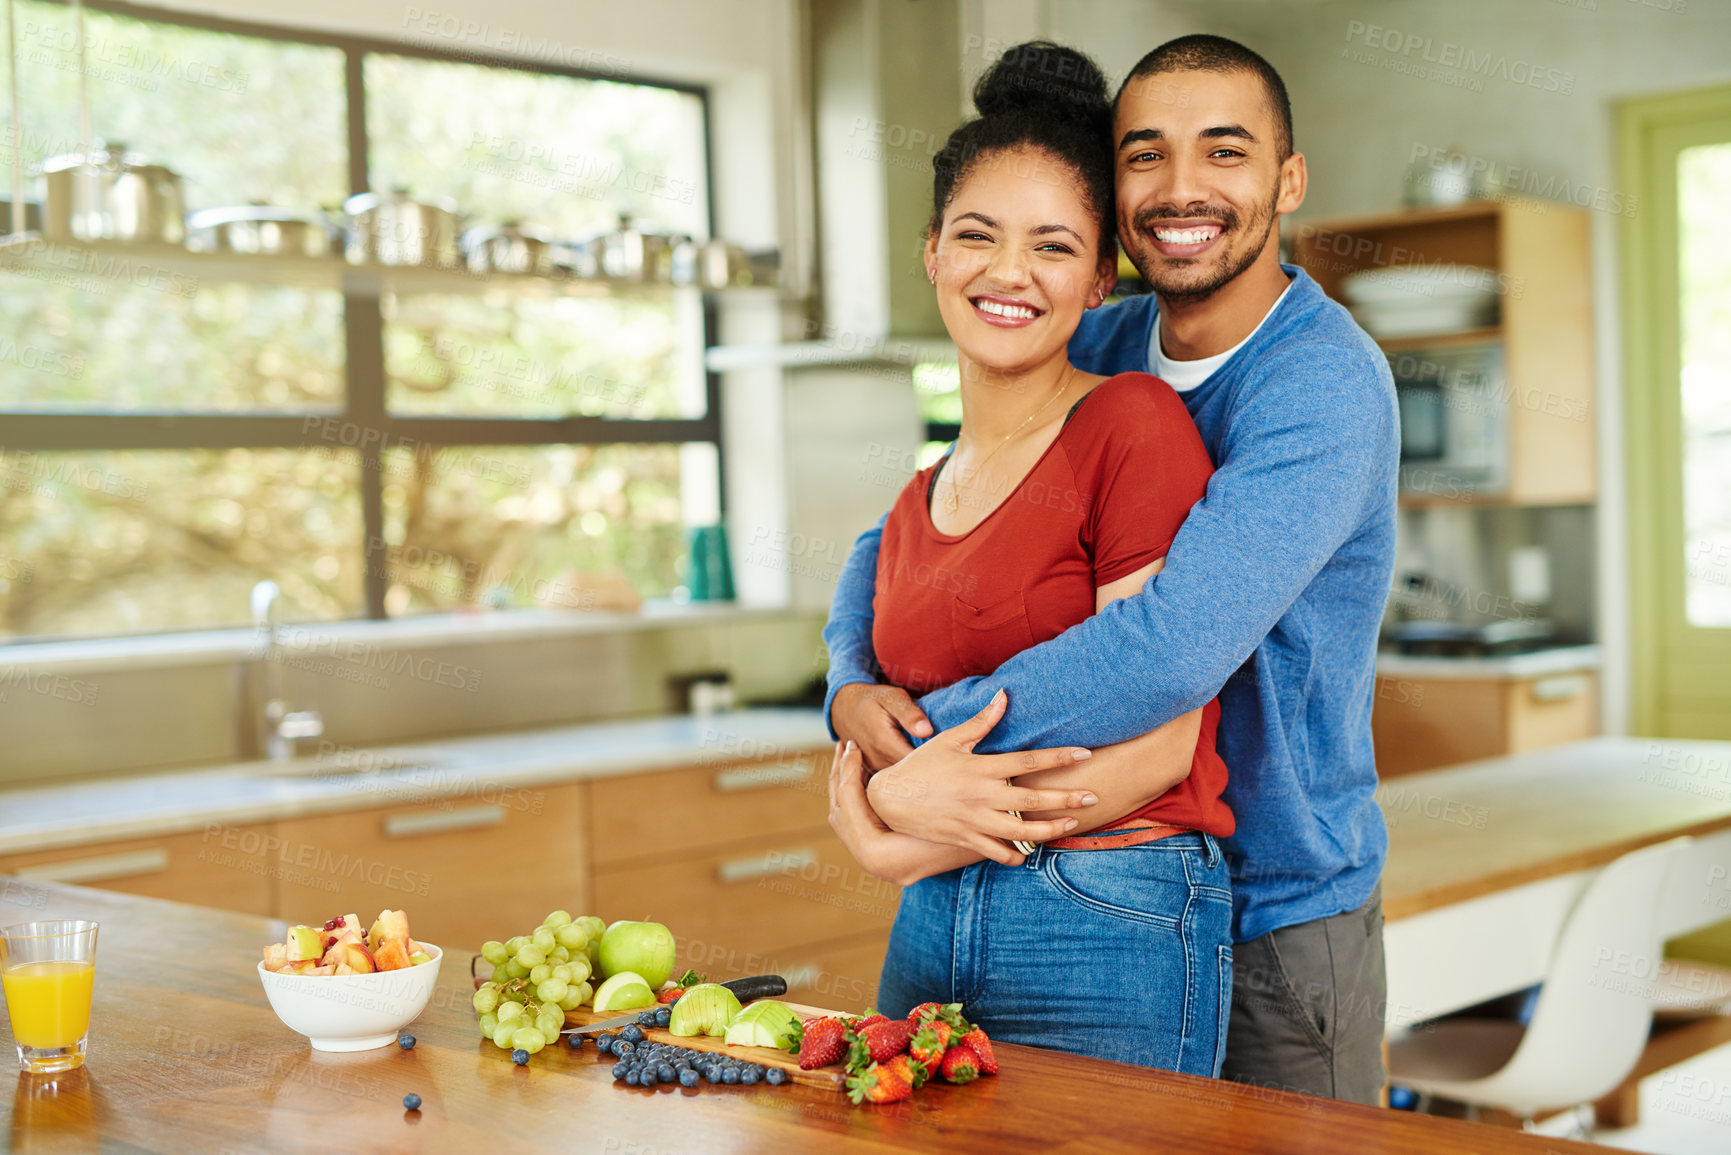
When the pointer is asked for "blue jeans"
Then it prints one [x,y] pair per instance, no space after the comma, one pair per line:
[1121,954]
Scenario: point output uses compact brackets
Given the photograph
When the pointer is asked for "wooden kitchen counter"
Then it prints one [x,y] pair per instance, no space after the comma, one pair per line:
[186,1056]
[1472,830]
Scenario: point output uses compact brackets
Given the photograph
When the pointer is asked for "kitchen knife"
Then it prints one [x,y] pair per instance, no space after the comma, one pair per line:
[745,990]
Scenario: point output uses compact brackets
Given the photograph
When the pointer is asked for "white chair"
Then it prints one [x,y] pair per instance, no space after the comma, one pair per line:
[1591,1020]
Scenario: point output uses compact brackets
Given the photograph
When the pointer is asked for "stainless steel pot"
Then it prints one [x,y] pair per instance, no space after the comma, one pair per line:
[509,248]
[261,229]
[394,229]
[630,254]
[111,194]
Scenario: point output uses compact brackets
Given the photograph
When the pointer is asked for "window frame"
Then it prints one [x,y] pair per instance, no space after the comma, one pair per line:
[363,410]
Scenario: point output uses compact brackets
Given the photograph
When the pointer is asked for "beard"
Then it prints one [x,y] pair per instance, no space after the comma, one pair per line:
[1195,282]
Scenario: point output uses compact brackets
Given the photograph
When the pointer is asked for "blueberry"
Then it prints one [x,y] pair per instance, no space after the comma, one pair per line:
[575,1042]
[749,1078]
[776,1077]
[664,1071]
[411,1102]
[730,1076]
[520,1057]
[407,1042]
[619,1070]
[604,1043]
[664,1017]
[632,1034]
[713,1074]
[631,1078]
[622,1047]
[688,1078]
[646,1078]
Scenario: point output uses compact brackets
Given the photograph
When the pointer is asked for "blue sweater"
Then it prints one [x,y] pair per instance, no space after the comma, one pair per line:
[1271,597]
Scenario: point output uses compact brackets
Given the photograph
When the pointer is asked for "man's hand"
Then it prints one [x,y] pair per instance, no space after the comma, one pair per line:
[945,793]
[874,718]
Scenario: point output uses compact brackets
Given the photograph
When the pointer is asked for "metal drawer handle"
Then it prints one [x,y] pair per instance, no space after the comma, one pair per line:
[764,865]
[440,822]
[755,777]
[1560,688]
[98,869]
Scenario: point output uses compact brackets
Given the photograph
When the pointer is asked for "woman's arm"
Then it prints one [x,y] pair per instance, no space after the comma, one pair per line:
[897,858]
[1125,776]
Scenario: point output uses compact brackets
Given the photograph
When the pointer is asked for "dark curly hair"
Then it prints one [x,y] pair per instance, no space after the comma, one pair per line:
[1039,95]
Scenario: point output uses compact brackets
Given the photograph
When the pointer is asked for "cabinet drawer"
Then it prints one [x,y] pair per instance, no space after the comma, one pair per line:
[1554,709]
[840,976]
[760,896]
[1421,723]
[466,868]
[641,815]
[223,866]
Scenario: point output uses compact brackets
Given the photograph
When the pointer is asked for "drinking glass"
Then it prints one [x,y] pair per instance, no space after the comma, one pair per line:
[47,970]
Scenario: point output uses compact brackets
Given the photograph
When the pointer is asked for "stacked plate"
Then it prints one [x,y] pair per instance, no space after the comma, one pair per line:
[1419,300]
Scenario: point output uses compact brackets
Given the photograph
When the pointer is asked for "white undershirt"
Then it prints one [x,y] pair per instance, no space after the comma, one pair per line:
[1187,375]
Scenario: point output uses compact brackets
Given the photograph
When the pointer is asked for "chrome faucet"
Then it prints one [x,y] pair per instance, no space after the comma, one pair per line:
[282,728]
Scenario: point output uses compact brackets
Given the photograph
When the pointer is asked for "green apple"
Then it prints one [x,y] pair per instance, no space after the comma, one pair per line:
[704,1009]
[625,991]
[765,1023]
[644,947]
[304,943]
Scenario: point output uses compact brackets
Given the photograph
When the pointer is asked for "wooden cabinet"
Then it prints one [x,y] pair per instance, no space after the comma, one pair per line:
[467,868]
[1422,723]
[1539,253]
[228,867]
[738,859]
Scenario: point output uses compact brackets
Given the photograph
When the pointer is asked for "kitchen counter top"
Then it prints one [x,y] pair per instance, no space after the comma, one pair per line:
[341,778]
[1537,664]
[1465,831]
[186,1056]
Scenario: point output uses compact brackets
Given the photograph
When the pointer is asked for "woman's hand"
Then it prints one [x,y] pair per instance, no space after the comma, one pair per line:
[879,850]
[944,793]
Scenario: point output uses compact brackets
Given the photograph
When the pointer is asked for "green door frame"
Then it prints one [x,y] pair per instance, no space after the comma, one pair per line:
[1681,673]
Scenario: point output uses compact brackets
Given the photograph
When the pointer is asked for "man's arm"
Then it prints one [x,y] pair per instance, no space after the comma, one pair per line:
[1302,463]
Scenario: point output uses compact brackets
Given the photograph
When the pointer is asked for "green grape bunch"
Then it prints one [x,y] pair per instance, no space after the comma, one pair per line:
[537,978]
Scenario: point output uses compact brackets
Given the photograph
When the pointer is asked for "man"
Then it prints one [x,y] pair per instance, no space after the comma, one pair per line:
[1273,591]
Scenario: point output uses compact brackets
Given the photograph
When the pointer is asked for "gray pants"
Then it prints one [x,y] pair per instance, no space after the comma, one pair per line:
[1307,1007]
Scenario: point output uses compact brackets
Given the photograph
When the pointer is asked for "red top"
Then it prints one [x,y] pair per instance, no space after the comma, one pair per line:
[1104,500]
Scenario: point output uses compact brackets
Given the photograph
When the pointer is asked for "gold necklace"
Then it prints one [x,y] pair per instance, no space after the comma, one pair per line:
[954,501]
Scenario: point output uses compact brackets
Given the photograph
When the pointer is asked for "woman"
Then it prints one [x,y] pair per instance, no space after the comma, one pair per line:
[1110,937]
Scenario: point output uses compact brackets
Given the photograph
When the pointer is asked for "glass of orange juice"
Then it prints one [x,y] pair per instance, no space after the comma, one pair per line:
[48,970]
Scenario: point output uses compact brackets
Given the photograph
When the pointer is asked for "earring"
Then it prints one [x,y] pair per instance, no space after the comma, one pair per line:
[932,276]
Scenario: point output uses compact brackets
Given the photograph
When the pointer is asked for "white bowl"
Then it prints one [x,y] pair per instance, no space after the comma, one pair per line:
[352,1012]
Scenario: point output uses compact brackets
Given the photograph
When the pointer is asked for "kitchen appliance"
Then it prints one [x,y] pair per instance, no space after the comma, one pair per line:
[1419,300]
[111,194]
[263,230]
[395,229]
[1464,640]
[631,254]
[508,248]
[1454,419]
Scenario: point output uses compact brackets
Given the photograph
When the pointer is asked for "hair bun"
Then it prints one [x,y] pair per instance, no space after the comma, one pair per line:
[1044,78]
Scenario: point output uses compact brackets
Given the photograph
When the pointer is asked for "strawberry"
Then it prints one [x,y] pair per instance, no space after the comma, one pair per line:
[880,1042]
[870,1020]
[924,1010]
[929,1042]
[960,1065]
[976,1041]
[822,1042]
[671,992]
[887,1082]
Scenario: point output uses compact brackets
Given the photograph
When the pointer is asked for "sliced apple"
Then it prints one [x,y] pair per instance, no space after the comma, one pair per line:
[391,956]
[391,924]
[304,942]
[345,969]
[275,956]
[623,992]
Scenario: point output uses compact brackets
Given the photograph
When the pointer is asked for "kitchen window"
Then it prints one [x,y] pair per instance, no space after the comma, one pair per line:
[172,432]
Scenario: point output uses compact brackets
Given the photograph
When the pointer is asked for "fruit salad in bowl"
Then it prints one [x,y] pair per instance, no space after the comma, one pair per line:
[346,990]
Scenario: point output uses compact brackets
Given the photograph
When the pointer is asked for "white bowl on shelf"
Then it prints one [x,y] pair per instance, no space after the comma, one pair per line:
[1412,300]
[352,1012]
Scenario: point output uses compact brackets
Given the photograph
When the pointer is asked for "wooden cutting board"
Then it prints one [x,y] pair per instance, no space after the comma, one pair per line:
[832,1078]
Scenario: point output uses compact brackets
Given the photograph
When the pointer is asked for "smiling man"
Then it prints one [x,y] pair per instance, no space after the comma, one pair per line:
[1272,592]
